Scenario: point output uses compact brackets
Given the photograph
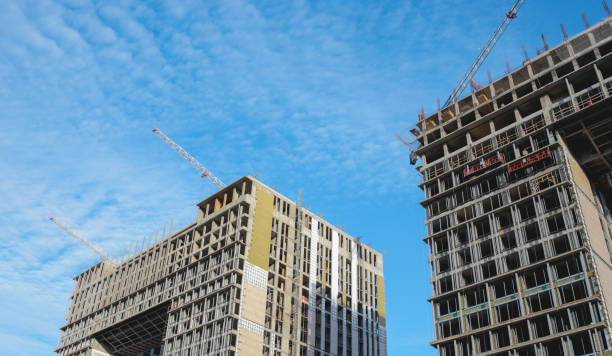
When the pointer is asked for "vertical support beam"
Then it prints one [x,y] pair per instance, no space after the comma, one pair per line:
[507,65]
[344,328]
[564,32]
[544,42]
[324,306]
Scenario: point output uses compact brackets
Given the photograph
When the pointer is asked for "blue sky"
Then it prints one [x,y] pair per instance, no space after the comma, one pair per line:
[307,95]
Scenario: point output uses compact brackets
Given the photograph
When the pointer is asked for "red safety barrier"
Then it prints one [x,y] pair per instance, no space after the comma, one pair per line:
[528,161]
[483,165]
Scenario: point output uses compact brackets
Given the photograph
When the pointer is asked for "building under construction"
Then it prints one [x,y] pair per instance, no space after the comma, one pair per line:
[255,274]
[517,182]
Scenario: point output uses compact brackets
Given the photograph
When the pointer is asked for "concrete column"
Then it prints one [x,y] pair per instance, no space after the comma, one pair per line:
[322,332]
[570,89]
[551,64]
[344,331]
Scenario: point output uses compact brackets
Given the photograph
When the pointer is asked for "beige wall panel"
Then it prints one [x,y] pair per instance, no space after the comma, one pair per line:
[593,228]
[381,298]
[254,304]
[250,343]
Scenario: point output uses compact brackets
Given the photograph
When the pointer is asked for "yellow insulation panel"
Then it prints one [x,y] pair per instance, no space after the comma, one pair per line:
[324,273]
[381,295]
[259,252]
[218,204]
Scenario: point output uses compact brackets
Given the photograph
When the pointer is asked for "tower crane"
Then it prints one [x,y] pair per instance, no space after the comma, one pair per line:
[72,233]
[484,52]
[205,173]
[468,77]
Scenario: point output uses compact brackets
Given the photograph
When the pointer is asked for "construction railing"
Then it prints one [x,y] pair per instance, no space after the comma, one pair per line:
[529,160]
[499,158]
[480,149]
[581,100]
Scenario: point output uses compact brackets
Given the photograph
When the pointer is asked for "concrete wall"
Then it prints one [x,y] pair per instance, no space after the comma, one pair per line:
[594,229]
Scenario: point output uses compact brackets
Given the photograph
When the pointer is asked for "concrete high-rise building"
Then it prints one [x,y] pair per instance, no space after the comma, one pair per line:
[517,182]
[255,274]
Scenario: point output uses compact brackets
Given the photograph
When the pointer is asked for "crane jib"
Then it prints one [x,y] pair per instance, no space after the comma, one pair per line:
[482,56]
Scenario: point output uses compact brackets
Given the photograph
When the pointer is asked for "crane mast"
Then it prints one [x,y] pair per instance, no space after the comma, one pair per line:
[469,75]
[205,173]
[72,233]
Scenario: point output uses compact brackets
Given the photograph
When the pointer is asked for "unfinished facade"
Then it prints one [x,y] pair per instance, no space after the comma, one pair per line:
[255,274]
[517,180]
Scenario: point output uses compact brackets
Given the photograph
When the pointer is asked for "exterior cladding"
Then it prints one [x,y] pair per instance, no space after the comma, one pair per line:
[517,213]
[224,285]
[259,251]
[254,288]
